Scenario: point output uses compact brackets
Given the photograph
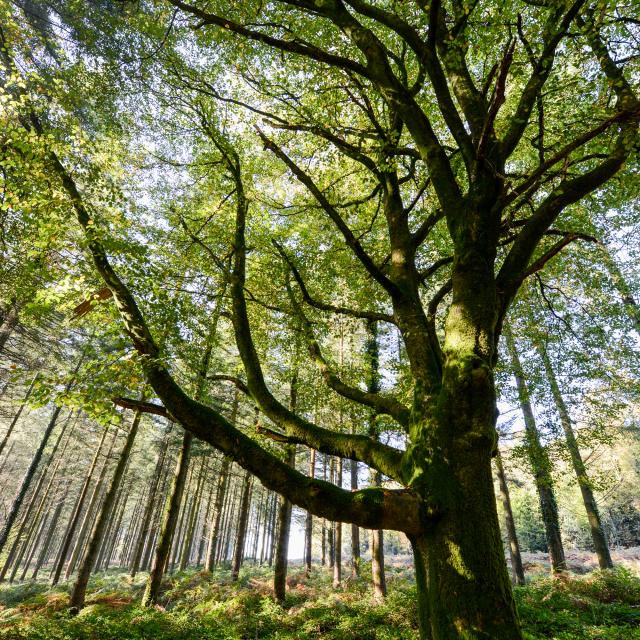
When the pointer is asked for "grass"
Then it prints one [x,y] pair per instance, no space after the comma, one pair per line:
[195,606]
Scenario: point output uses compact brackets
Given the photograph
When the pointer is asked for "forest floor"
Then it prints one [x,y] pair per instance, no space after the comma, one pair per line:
[197,606]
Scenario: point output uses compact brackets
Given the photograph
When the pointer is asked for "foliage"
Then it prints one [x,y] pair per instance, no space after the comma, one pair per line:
[603,605]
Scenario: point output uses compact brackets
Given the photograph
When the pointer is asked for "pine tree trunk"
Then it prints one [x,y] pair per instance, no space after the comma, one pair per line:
[9,322]
[241,533]
[169,521]
[16,417]
[27,479]
[76,601]
[308,526]
[591,506]
[540,464]
[337,558]
[517,570]
[75,515]
[145,527]
[355,530]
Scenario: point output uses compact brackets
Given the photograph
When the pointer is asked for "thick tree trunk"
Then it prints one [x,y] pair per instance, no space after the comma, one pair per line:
[517,570]
[76,602]
[169,521]
[282,543]
[591,506]
[241,533]
[540,465]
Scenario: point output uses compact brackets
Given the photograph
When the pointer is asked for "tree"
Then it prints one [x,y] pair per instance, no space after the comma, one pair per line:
[449,119]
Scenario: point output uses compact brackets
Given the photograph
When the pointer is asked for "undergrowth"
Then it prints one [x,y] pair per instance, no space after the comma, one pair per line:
[604,605]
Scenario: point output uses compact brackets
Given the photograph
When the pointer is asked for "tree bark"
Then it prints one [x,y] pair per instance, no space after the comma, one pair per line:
[169,521]
[16,417]
[308,526]
[28,477]
[517,570]
[76,601]
[241,533]
[540,464]
[591,506]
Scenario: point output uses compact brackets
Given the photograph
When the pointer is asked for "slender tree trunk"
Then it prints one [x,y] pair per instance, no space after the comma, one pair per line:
[145,527]
[9,322]
[589,500]
[76,602]
[27,479]
[376,540]
[540,464]
[337,564]
[16,417]
[169,522]
[517,570]
[74,520]
[355,530]
[91,512]
[241,533]
[308,526]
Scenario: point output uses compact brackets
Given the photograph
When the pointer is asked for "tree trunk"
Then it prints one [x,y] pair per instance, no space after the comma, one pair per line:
[74,520]
[145,527]
[9,322]
[377,535]
[355,530]
[9,431]
[282,544]
[28,477]
[242,526]
[337,540]
[517,570]
[308,525]
[76,602]
[169,522]
[540,464]
[589,500]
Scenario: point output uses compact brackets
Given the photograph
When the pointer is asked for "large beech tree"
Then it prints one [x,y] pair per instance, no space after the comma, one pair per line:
[473,128]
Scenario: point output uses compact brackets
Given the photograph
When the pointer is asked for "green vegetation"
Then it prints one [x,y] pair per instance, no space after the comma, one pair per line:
[604,605]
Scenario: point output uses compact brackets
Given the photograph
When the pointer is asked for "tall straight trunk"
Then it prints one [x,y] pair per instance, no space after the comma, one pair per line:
[76,601]
[517,570]
[74,520]
[37,502]
[308,525]
[214,533]
[282,543]
[376,538]
[16,417]
[591,506]
[241,532]
[91,512]
[50,534]
[337,560]
[27,479]
[170,519]
[355,530]
[193,516]
[540,464]
[9,322]
[145,527]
